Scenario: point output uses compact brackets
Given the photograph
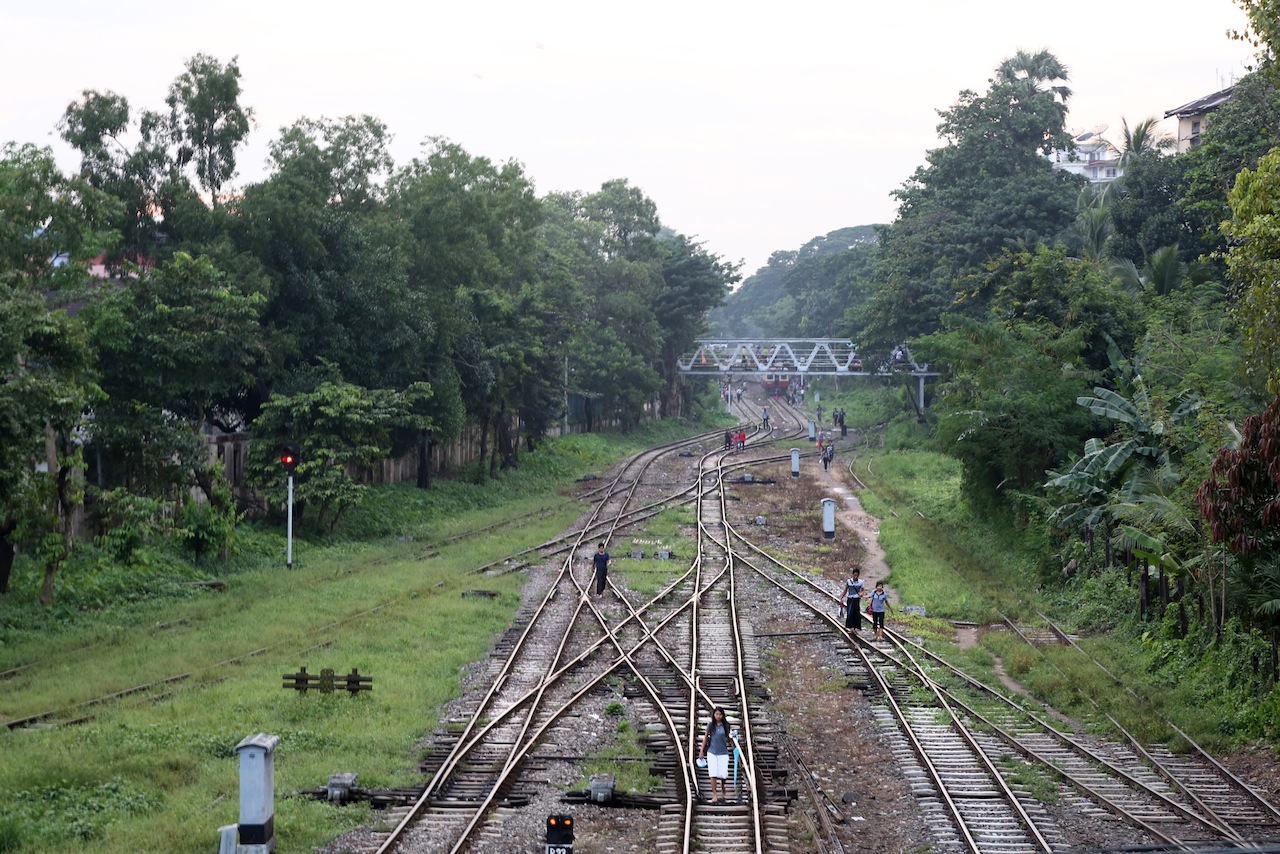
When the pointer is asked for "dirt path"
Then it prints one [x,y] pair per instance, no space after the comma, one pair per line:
[850,514]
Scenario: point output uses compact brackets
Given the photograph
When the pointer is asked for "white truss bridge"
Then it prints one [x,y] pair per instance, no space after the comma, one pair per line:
[837,357]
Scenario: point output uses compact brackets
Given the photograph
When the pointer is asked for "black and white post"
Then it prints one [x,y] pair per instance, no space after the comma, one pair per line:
[289,453]
[288,549]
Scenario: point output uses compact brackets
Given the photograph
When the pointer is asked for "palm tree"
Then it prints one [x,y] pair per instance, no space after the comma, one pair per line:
[1165,272]
[1032,70]
[1142,140]
[1087,236]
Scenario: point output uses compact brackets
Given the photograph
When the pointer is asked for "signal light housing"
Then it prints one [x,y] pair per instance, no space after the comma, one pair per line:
[559,830]
[289,456]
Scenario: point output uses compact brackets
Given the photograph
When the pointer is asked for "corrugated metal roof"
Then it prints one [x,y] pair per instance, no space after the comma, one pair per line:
[1202,105]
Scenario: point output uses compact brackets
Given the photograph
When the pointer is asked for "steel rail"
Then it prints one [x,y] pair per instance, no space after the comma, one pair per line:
[1071,744]
[452,761]
[886,691]
[1237,783]
[969,739]
[739,655]
[470,738]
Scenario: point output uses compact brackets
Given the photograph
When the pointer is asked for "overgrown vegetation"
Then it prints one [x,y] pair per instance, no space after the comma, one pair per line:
[382,593]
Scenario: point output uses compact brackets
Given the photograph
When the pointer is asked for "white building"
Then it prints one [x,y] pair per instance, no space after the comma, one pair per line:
[1094,158]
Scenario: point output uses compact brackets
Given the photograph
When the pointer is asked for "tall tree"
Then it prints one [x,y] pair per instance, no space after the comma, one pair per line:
[1254,262]
[50,225]
[474,227]
[176,347]
[694,281]
[989,188]
[208,120]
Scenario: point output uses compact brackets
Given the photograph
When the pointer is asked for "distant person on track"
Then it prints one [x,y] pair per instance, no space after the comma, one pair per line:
[602,561]
[765,418]
[728,440]
[854,591]
[879,604]
[715,749]
[828,455]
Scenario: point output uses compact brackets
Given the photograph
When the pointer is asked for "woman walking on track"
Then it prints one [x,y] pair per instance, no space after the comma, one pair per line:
[879,604]
[715,749]
[853,593]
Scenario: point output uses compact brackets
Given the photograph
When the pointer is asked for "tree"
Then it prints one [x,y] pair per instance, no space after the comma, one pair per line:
[1263,31]
[141,156]
[1143,140]
[989,188]
[337,259]
[1147,214]
[337,426]
[49,226]
[1254,262]
[176,346]
[1240,499]
[207,119]
[694,281]
[747,311]
[474,228]
[1006,410]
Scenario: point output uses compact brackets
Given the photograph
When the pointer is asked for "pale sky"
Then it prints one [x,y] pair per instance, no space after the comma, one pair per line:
[753,127]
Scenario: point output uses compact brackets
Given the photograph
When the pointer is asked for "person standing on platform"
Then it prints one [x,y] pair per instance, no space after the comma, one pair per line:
[602,561]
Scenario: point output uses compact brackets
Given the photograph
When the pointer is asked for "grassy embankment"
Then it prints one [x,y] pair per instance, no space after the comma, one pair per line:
[156,771]
[963,565]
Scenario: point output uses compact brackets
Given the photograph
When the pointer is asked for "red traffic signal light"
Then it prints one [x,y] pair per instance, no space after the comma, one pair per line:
[559,830]
[289,457]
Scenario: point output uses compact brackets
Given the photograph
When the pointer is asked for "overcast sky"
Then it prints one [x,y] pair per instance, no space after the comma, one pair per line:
[753,127]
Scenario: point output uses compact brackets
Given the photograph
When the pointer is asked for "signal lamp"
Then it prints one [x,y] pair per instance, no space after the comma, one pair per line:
[559,830]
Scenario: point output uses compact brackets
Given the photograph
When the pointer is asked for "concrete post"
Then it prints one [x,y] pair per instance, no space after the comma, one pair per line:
[828,518]
[257,793]
[813,431]
[795,462]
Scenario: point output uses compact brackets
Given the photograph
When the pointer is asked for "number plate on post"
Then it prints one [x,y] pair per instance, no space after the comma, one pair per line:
[559,849]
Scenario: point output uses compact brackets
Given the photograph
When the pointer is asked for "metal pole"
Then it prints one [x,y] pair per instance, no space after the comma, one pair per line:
[564,428]
[288,561]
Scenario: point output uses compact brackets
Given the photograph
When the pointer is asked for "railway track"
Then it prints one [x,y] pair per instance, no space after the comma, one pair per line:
[966,748]
[682,652]
[959,739]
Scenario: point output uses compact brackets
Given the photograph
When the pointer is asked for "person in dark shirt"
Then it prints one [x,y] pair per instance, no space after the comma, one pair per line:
[602,561]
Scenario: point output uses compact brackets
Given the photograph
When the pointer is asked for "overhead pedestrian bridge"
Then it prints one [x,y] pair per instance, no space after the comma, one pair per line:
[805,357]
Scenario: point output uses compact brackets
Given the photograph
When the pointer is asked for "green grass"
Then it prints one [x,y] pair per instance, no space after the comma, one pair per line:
[156,771]
[648,575]
[965,567]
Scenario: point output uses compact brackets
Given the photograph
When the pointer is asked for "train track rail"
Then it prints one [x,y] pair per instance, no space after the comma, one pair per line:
[683,651]
[958,755]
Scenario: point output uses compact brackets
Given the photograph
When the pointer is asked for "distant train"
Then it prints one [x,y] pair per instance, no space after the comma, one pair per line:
[777,384]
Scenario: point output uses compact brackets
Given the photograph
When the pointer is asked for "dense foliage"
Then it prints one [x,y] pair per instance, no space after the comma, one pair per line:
[356,306]
[1106,349]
